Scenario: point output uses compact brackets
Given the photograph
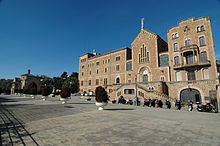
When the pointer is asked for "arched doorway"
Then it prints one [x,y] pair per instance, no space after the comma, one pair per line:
[144,74]
[32,85]
[190,94]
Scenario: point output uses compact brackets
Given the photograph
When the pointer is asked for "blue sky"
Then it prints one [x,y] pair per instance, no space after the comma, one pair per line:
[48,36]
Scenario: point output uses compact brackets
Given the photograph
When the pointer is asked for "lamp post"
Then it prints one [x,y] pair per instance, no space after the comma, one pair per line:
[135,98]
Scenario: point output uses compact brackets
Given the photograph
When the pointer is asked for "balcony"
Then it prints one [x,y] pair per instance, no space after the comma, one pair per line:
[192,47]
[192,65]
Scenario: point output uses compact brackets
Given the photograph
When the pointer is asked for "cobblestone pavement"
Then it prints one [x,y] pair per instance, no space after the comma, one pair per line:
[27,121]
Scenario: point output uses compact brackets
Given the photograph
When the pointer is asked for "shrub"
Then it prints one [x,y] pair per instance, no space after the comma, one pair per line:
[101,95]
[45,91]
[65,92]
[26,91]
[33,91]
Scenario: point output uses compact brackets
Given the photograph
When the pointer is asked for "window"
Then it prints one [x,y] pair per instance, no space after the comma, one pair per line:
[90,82]
[105,69]
[97,63]
[97,71]
[105,81]
[97,82]
[164,60]
[175,47]
[128,91]
[128,66]
[83,66]
[103,62]
[202,41]
[202,28]
[173,36]
[117,80]
[144,55]
[118,58]
[90,72]
[205,74]
[178,76]
[108,60]
[117,67]
[191,75]
[189,59]
[198,29]
[145,78]
[176,35]
[81,83]
[187,43]
[204,56]
[82,73]
[129,81]
[176,60]
[162,78]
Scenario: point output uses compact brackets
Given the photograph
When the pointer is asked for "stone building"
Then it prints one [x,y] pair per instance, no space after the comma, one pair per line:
[185,68]
[27,81]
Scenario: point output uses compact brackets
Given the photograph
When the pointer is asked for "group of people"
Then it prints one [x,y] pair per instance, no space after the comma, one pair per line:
[156,103]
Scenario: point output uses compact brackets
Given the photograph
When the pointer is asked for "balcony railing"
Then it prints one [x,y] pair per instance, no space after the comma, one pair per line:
[195,64]
[189,48]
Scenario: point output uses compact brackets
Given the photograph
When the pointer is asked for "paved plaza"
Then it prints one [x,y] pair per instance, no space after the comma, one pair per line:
[27,121]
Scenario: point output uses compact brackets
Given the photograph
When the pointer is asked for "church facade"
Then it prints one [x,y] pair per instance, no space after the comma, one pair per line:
[184,68]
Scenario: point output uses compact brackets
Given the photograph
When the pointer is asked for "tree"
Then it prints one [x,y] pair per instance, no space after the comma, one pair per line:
[72,83]
[64,75]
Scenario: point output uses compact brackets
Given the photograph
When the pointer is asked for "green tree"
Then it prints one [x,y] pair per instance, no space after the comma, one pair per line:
[72,83]
[64,75]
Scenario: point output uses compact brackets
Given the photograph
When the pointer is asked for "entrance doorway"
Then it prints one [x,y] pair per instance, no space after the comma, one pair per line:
[190,94]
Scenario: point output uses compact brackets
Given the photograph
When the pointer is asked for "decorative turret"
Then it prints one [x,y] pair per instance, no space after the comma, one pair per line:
[29,71]
[142,23]
[94,52]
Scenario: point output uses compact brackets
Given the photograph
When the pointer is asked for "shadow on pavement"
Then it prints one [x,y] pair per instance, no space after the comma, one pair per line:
[116,109]
[81,103]
[2,99]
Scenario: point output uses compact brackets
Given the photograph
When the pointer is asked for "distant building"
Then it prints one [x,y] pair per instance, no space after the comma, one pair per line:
[185,68]
[27,81]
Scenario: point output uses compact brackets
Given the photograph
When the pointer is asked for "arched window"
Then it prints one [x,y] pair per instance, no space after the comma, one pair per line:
[202,41]
[176,60]
[202,28]
[177,35]
[187,43]
[175,45]
[117,80]
[198,29]
[143,55]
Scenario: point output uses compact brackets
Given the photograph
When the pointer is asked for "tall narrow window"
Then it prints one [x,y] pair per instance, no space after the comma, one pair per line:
[90,82]
[198,29]
[97,81]
[202,28]
[204,56]
[175,47]
[188,43]
[144,55]
[189,59]
[176,60]
[205,74]
[117,80]
[202,41]
[117,67]
[178,76]
[191,75]
[81,83]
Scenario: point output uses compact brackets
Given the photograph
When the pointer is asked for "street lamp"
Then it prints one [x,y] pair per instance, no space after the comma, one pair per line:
[135,98]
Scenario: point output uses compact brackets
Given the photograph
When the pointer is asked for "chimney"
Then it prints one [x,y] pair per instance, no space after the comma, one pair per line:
[94,52]
[29,71]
